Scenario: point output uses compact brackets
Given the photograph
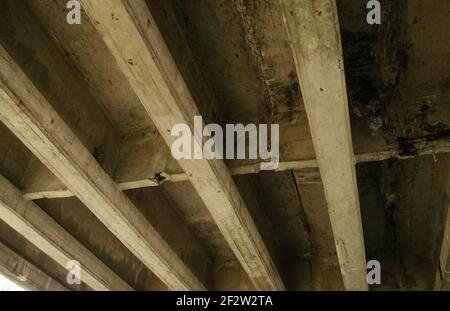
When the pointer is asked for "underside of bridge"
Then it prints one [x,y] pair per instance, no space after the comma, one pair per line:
[87,174]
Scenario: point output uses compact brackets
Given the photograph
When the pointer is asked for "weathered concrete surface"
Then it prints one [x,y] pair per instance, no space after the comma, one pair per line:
[249,66]
[86,228]
[194,213]
[235,58]
[29,252]
[24,273]
[422,201]
[326,273]
[404,205]
[397,73]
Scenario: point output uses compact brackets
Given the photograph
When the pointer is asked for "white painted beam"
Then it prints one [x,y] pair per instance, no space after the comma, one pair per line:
[26,112]
[141,53]
[313,27]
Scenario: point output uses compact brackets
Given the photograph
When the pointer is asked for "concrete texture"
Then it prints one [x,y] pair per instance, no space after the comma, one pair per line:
[236,60]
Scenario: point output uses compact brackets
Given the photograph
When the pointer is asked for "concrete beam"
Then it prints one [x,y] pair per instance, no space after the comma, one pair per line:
[28,114]
[313,28]
[141,165]
[325,272]
[141,53]
[46,234]
[24,273]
